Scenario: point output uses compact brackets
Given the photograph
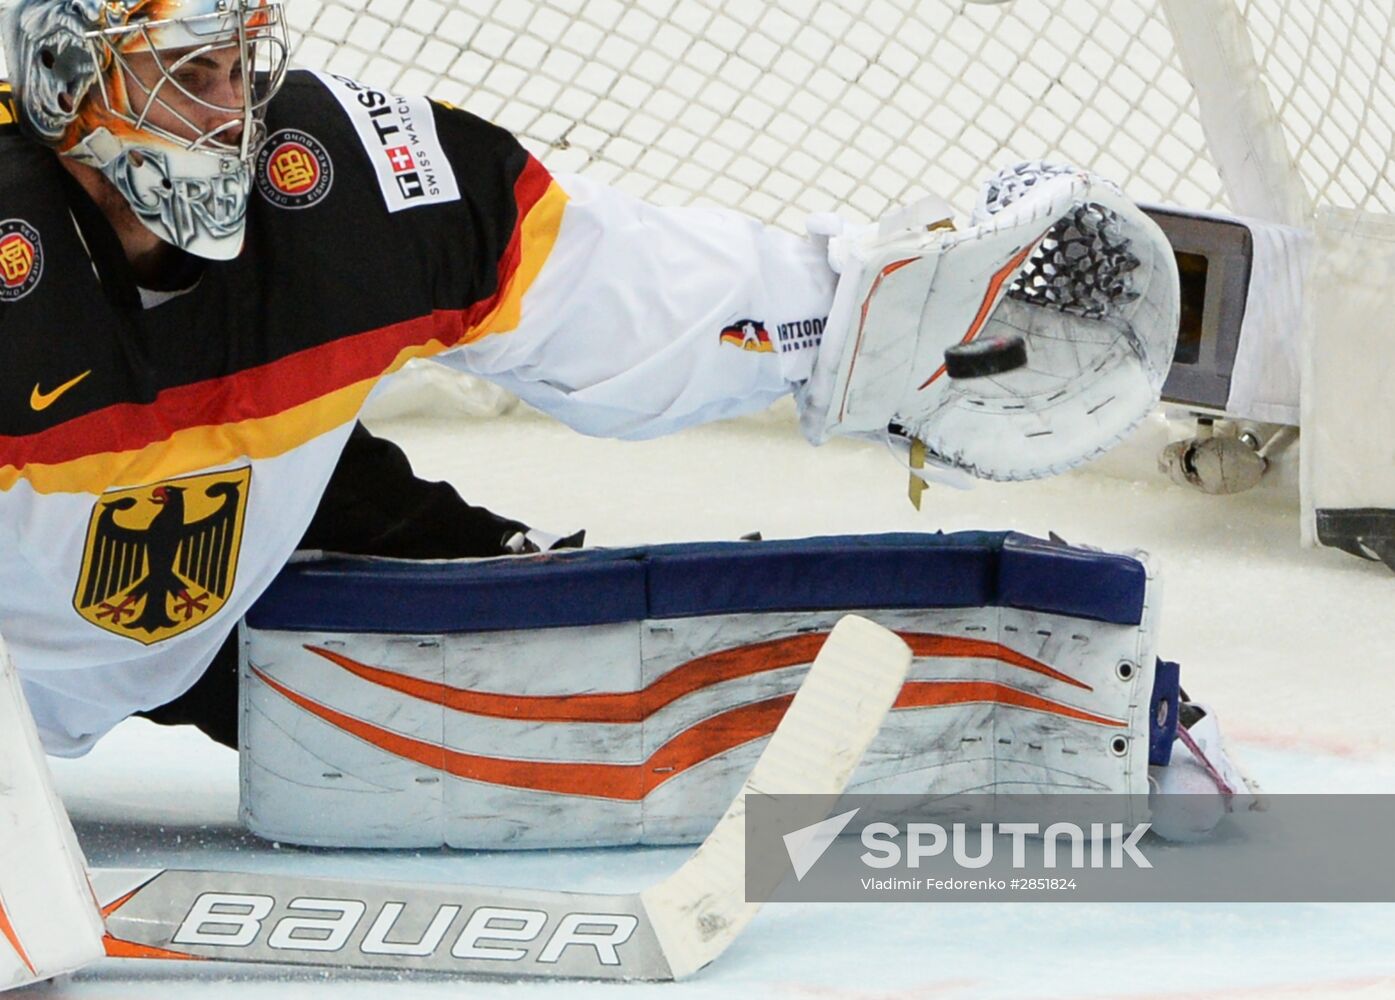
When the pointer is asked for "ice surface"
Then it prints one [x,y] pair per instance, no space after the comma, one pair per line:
[1290,646]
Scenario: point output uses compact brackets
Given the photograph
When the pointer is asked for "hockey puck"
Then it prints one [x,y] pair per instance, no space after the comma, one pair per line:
[985,356]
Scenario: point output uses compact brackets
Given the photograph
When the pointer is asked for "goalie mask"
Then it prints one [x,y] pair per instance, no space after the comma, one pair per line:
[164,97]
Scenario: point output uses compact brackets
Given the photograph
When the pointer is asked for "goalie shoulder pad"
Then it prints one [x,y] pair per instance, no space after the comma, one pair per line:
[1059,258]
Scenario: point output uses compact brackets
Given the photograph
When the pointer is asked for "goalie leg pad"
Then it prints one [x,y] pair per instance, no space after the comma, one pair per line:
[1058,257]
[620,696]
[49,922]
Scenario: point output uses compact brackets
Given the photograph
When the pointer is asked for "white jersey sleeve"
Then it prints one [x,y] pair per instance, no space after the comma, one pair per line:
[644,320]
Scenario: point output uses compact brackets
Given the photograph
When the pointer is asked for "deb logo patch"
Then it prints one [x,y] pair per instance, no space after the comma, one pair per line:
[749,335]
[160,559]
[21,259]
[399,134]
[294,170]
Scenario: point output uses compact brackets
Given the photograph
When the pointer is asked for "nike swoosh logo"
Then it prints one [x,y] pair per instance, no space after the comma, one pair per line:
[43,400]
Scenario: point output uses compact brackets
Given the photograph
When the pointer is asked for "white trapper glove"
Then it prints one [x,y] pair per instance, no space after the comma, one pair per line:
[1055,256]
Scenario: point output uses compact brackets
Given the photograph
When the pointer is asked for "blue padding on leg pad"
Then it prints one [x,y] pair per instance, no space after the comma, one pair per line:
[1166,710]
[603,586]
[413,597]
[819,574]
[1056,578]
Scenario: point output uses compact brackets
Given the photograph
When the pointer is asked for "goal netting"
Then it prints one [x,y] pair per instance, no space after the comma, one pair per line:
[783,107]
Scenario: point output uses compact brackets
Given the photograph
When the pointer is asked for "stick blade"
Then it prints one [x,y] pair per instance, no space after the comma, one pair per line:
[699,910]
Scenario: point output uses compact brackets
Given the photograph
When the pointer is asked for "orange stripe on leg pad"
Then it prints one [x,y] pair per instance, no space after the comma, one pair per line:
[628,782]
[705,740]
[614,707]
[695,675]
[927,694]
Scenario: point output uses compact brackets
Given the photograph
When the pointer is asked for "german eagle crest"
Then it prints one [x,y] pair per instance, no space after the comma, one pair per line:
[160,559]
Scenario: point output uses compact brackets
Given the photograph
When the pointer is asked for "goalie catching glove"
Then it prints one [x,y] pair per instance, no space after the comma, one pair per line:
[1055,256]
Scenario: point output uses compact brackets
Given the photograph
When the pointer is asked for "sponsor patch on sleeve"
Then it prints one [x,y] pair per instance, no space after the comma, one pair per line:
[294,169]
[801,335]
[399,134]
[21,259]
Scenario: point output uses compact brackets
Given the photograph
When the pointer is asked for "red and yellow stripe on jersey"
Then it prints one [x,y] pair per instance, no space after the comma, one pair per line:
[281,404]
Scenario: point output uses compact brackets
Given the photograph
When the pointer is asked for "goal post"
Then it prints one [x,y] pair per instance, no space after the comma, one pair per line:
[1243,131]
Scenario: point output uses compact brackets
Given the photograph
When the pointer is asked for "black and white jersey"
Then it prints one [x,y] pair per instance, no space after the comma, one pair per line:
[158,465]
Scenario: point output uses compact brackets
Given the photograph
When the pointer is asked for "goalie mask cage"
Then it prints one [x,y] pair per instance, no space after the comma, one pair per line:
[1265,108]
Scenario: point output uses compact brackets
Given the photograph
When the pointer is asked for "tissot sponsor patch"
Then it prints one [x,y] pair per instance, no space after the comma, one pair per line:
[749,335]
[21,259]
[294,170]
[399,134]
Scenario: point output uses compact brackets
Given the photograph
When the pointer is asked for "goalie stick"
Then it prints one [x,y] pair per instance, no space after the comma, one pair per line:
[667,931]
